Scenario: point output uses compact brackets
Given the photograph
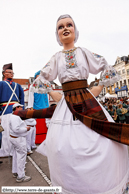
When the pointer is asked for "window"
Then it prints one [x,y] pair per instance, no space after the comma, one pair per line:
[120,83]
[119,72]
[104,91]
[125,82]
[127,71]
[123,71]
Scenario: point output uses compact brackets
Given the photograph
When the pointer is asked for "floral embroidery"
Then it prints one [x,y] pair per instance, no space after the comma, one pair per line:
[70,58]
[42,85]
[127,189]
[109,74]
[48,64]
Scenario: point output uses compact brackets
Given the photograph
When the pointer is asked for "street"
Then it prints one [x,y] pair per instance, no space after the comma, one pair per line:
[36,167]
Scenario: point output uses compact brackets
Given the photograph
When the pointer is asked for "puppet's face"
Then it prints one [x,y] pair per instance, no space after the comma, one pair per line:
[65,28]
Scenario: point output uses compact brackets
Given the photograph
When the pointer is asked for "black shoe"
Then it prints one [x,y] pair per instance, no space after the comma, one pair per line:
[1,162]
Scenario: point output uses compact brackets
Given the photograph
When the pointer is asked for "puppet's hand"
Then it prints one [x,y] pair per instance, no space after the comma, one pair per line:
[56,96]
[109,76]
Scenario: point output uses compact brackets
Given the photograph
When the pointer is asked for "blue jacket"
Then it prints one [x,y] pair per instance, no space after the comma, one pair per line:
[6,92]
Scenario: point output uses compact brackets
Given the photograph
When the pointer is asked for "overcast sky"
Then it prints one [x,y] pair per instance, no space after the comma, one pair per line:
[27,31]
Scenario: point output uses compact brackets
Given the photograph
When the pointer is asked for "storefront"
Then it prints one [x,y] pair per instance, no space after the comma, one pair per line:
[121,92]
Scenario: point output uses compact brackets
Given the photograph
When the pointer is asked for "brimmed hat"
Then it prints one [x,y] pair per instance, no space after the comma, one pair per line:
[16,105]
[7,66]
[27,107]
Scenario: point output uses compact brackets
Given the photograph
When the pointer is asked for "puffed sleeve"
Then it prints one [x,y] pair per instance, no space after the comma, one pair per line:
[48,73]
[109,76]
[98,64]
[95,62]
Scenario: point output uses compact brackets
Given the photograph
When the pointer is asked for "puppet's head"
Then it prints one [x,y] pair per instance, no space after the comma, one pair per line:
[59,27]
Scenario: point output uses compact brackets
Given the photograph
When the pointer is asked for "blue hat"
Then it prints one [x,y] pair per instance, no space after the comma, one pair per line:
[37,73]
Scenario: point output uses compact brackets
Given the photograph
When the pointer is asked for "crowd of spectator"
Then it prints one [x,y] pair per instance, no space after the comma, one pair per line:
[118,109]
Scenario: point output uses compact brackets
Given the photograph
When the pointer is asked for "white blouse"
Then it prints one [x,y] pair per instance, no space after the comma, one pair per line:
[71,65]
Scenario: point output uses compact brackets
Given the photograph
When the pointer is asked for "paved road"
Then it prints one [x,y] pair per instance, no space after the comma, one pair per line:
[36,167]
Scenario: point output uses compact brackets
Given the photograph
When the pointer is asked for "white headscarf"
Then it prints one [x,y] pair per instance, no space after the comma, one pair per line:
[76,31]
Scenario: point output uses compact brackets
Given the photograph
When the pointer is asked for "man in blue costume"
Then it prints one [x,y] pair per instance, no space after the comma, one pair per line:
[10,93]
[38,101]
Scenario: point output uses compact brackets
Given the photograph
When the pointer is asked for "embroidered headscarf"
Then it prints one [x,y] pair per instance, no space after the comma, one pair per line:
[76,31]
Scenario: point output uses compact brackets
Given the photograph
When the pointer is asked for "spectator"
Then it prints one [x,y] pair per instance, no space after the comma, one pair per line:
[127,114]
[111,111]
[120,113]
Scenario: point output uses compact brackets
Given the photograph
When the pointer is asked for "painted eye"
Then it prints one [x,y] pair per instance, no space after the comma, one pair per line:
[70,25]
[60,27]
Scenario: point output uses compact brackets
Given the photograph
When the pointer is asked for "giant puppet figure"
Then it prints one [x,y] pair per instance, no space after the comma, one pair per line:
[82,156]
[38,101]
[10,93]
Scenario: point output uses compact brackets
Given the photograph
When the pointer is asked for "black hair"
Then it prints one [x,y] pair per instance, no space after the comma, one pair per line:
[16,107]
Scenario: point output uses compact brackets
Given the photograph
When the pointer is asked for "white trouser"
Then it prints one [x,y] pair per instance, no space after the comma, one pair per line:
[5,147]
[33,137]
[19,155]
[30,138]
